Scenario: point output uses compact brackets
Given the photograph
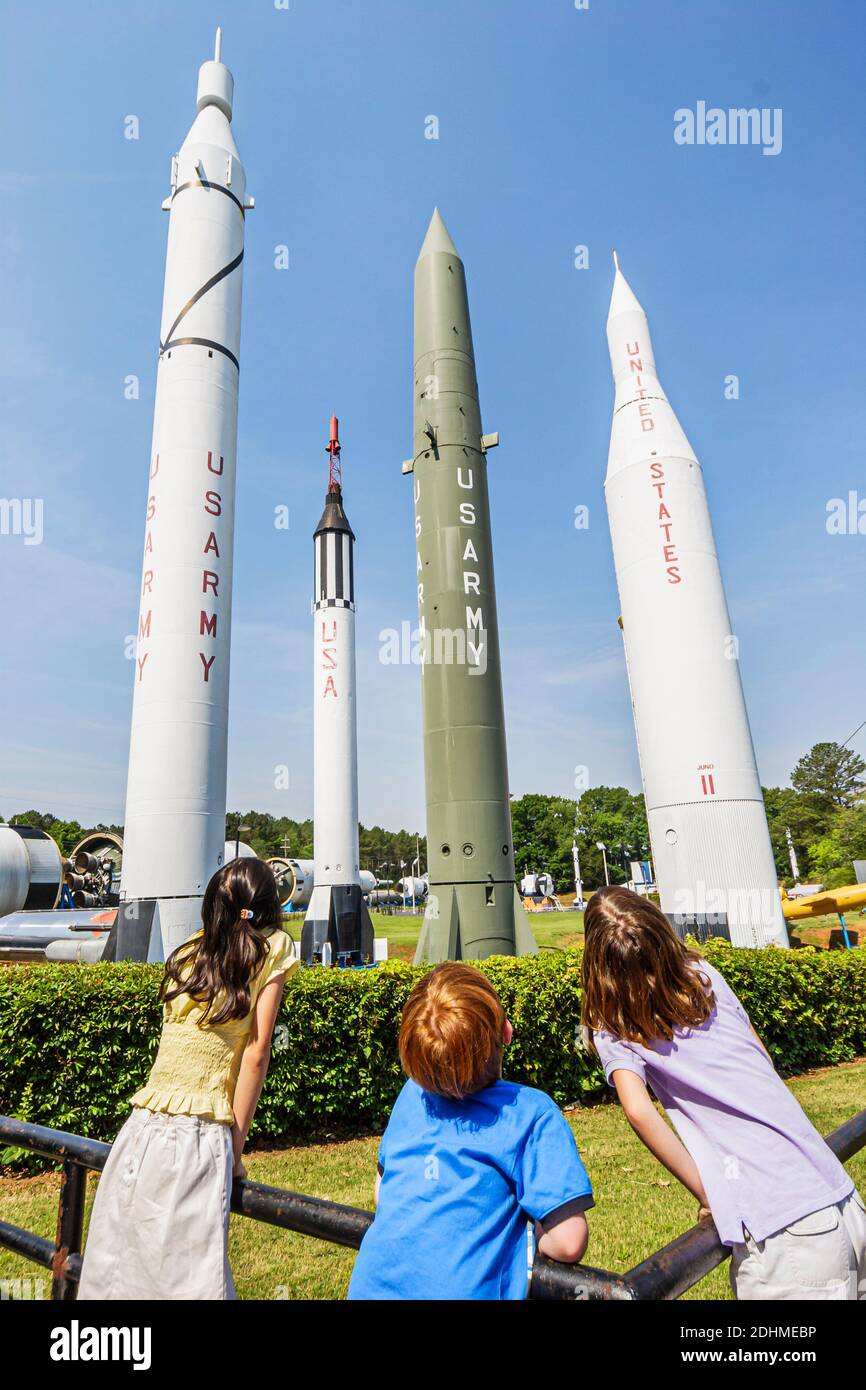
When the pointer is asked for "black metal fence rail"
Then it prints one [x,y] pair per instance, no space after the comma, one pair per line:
[665,1275]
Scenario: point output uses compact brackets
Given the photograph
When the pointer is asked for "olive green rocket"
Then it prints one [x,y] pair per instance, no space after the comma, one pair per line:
[473,909]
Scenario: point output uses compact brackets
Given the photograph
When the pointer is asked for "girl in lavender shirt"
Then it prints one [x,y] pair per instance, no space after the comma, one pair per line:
[661,1016]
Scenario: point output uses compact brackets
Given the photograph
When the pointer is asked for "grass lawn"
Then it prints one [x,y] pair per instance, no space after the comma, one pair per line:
[638,1207]
[551,929]
[556,930]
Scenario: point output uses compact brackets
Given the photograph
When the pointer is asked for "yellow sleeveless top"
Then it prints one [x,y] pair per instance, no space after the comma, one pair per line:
[196,1068]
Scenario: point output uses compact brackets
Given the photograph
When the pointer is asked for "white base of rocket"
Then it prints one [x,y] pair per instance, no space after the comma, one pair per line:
[714,867]
[144,929]
[338,916]
[178,920]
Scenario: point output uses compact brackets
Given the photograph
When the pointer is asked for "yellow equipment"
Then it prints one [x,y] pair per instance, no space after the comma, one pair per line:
[837,900]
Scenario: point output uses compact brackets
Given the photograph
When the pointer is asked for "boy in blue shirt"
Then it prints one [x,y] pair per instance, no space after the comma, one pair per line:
[467,1158]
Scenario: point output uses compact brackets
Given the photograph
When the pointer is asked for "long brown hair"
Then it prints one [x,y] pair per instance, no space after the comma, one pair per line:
[639,980]
[224,959]
[451,1037]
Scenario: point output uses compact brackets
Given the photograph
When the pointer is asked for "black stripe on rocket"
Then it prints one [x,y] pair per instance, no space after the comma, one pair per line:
[322,544]
[339,591]
[171,342]
[217,188]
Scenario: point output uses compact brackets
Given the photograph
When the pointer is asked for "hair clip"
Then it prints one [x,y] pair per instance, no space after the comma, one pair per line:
[246,914]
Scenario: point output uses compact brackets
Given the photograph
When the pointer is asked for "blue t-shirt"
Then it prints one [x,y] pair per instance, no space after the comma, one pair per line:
[459,1180]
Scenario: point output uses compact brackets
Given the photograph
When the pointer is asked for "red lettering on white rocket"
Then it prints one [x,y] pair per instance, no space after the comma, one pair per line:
[670,558]
[329,658]
[210,579]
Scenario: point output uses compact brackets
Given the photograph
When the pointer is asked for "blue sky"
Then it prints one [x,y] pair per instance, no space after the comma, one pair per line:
[556,129]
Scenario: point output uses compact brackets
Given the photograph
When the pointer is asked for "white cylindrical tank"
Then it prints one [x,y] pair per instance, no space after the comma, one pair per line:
[413,887]
[708,827]
[294,880]
[31,869]
[174,831]
[14,871]
[233,849]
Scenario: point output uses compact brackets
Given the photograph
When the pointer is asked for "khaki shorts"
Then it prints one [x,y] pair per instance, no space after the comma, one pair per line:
[821,1256]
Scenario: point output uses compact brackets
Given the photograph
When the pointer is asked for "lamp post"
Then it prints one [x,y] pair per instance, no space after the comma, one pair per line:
[624,853]
[403,884]
[415,871]
[387,865]
[578,881]
[239,830]
[603,849]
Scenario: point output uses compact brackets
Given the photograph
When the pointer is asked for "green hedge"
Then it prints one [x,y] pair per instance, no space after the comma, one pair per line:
[77,1041]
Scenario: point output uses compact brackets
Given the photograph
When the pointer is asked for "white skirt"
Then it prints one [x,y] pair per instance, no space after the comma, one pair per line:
[160,1218]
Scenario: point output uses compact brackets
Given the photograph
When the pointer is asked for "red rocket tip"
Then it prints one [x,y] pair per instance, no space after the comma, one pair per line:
[332,449]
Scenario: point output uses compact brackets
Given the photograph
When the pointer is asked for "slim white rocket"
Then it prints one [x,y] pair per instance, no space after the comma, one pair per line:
[337,912]
[174,829]
[708,827]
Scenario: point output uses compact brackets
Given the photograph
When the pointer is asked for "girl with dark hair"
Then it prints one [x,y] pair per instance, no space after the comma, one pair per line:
[159,1225]
[661,1016]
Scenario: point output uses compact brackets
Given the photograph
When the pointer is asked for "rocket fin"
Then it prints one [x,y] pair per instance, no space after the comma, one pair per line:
[138,933]
[525,943]
[440,933]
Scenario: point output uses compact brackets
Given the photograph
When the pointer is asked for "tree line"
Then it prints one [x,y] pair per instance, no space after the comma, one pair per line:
[824,809]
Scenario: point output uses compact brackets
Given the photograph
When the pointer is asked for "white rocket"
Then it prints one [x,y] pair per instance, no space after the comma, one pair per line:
[708,827]
[337,913]
[174,829]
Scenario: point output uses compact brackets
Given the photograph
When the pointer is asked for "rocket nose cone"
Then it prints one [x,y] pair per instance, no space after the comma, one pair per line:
[437,238]
[623,299]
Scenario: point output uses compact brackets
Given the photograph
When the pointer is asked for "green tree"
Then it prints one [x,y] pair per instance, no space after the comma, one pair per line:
[270,836]
[830,775]
[391,854]
[66,833]
[543,830]
[43,820]
[844,842]
[614,817]
[807,821]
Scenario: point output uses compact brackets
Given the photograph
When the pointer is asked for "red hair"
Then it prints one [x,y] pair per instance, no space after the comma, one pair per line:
[451,1036]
